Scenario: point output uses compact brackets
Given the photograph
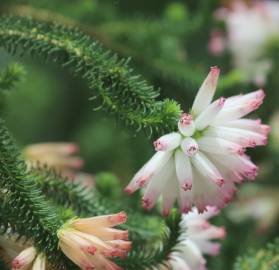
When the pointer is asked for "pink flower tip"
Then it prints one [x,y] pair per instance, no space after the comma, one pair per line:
[213,209]
[146,203]
[215,250]
[185,119]
[265,129]
[142,181]
[201,209]
[122,217]
[185,210]
[221,101]
[78,163]
[128,190]
[125,235]
[241,151]
[89,267]
[220,182]
[261,94]
[158,145]
[73,148]
[90,250]
[187,186]
[215,70]
[17,264]
[222,233]
[205,225]
[227,199]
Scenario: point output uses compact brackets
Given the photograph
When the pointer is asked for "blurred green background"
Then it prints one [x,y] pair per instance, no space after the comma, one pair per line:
[167,41]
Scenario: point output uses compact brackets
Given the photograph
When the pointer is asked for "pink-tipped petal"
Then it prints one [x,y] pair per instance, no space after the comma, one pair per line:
[150,169]
[207,116]
[206,91]
[207,168]
[157,184]
[183,170]
[168,142]
[220,146]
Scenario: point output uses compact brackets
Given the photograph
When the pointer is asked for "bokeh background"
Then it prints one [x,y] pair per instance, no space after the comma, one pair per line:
[172,44]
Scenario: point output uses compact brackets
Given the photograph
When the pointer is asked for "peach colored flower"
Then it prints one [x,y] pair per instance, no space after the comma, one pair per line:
[89,241]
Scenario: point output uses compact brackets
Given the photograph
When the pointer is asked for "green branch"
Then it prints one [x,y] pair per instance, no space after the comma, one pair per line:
[120,92]
[85,202]
[10,76]
[142,259]
[26,206]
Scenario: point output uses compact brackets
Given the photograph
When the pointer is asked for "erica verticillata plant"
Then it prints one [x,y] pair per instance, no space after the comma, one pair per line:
[89,241]
[197,164]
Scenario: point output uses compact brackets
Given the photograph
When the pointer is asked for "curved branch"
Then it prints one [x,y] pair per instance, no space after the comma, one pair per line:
[121,93]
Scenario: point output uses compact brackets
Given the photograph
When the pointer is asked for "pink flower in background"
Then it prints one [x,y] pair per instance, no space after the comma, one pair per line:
[89,241]
[201,162]
[195,240]
[217,43]
[249,28]
[61,156]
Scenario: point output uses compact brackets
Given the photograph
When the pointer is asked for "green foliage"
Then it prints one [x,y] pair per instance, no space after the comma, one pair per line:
[10,76]
[120,92]
[264,259]
[108,184]
[68,194]
[86,202]
[27,208]
[141,258]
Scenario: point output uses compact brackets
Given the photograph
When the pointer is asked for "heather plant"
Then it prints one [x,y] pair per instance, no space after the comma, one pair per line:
[149,81]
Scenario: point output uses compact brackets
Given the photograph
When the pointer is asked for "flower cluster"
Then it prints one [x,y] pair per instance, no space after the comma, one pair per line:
[249,28]
[88,241]
[195,240]
[29,259]
[200,164]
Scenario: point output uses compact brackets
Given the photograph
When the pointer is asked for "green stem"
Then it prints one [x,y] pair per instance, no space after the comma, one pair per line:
[27,207]
[121,92]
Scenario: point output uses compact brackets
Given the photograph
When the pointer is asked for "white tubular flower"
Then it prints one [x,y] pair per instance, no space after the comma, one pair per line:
[201,162]
[249,28]
[28,259]
[88,241]
[195,241]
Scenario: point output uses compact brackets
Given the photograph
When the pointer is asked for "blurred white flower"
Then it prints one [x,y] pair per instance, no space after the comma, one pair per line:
[217,43]
[200,164]
[196,240]
[88,241]
[259,203]
[63,157]
[249,28]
